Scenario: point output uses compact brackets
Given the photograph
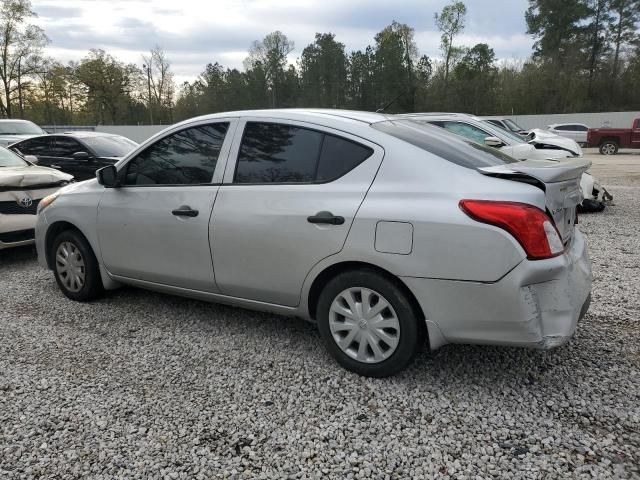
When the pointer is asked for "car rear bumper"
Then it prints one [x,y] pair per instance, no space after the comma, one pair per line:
[537,304]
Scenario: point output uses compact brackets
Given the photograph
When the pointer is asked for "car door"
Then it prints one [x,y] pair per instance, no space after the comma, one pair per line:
[290,193]
[62,155]
[635,134]
[155,227]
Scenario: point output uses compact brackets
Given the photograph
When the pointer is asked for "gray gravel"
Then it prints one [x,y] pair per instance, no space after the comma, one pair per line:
[140,385]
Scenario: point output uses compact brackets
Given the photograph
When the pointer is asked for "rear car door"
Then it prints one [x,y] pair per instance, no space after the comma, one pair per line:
[40,147]
[155,227]
[290,193]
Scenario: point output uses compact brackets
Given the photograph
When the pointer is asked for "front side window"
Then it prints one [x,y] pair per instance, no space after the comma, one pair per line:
[513,126]
[66,147]
[279,153]
[187,157]
[36,146]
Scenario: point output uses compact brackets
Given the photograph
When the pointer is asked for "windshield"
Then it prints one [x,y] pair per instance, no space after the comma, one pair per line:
[10,159]
[513,126]
[115,146]
[445,145]
[514,137]
[20,128]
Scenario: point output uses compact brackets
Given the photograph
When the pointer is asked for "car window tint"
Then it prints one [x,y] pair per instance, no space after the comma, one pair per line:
[186,157]
[340,156]
[277,153]
[449,147]
[580,128]
[66,147]
[35,146]
[563,127]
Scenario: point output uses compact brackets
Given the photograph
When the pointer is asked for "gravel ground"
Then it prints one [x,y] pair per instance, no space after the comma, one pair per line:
[140,385]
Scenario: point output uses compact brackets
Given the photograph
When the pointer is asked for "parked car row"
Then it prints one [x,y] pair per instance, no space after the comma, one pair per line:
[385,230]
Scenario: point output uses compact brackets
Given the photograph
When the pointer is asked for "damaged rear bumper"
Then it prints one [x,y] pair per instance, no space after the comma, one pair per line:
[538,304]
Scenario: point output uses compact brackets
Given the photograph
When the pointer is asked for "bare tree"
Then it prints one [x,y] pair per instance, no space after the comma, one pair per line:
[161,85]
[20,47]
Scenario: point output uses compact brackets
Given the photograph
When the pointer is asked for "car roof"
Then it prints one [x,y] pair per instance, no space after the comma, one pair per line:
[86,134]
[567,123]
[15,120]
[301,114]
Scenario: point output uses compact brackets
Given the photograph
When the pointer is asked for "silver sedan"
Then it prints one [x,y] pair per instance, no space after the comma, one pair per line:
[383,231]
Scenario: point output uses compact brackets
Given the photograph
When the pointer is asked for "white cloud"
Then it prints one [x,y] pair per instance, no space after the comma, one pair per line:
[196,32]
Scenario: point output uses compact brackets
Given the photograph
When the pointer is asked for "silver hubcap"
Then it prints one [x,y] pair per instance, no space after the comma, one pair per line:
[608,149]
[70,266]
[364,325]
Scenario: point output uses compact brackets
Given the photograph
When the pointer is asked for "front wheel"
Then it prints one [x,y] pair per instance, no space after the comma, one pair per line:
[368,324]
[609,148]
[75,267]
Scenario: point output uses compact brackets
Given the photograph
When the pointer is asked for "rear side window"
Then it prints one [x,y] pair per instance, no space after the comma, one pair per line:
[279,153]
[447,146]
[187,157]
[36,146]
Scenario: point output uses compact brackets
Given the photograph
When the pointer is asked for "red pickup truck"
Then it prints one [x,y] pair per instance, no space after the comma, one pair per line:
[609,140]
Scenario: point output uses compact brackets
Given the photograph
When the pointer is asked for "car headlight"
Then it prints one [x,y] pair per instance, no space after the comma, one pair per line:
[46,201]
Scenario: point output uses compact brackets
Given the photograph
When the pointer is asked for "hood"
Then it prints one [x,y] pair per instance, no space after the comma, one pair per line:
[551,140]
[10,139]
[32,177]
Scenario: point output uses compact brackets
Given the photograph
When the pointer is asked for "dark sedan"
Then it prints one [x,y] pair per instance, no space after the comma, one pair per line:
[77,153]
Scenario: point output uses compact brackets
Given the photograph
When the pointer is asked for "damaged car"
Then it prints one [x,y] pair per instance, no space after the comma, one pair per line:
[22,186]
[539,145]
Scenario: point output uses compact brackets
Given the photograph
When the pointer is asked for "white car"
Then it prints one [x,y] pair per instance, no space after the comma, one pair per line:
[13,130]
[574,131]
[382,230]
[539,144]
[22,186]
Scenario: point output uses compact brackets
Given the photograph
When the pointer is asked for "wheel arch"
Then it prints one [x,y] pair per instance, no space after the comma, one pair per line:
[335,269]
[53,231]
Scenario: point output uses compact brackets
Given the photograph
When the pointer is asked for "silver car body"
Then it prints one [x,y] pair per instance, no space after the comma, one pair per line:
[253,246]
[15,130]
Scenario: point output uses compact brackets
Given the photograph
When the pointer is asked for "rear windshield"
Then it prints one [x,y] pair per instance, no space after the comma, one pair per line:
[115,146]
[445,145]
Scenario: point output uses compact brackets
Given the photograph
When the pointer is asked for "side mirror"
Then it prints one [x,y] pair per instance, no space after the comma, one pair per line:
[108,176]
[493,142]
[81,156]
[31,159]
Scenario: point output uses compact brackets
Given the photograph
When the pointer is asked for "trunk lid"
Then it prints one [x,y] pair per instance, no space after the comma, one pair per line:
[559,180]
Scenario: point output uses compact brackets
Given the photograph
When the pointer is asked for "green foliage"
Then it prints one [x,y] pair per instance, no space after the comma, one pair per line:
[586,57]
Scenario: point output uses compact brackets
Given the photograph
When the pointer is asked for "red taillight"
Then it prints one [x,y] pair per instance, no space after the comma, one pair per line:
[529,225]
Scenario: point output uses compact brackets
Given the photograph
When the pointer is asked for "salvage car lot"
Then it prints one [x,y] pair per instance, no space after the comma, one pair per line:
[141,385]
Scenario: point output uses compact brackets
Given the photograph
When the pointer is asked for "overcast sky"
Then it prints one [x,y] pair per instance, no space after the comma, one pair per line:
[196,32]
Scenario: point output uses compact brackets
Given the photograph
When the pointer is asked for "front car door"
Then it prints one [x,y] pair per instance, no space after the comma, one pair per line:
[282,178]
[155,227]
[62,153]
[635,134]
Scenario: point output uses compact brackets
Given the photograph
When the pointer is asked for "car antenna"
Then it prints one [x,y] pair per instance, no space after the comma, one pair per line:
[382,109]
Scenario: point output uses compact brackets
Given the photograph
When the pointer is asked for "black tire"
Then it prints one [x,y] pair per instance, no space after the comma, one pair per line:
[411,332]
[609,147]
[92,287]
[590,206]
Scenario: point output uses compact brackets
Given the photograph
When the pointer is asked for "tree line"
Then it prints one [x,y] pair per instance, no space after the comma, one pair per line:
[586,57]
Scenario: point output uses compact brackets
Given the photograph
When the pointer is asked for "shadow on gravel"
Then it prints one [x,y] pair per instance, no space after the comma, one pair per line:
[18,255]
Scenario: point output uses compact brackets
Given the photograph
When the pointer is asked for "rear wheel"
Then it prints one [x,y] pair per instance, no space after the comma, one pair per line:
[609,147]
[75,267]
[368,324]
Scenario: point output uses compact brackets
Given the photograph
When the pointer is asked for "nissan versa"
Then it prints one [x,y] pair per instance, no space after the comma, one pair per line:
[383,231]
